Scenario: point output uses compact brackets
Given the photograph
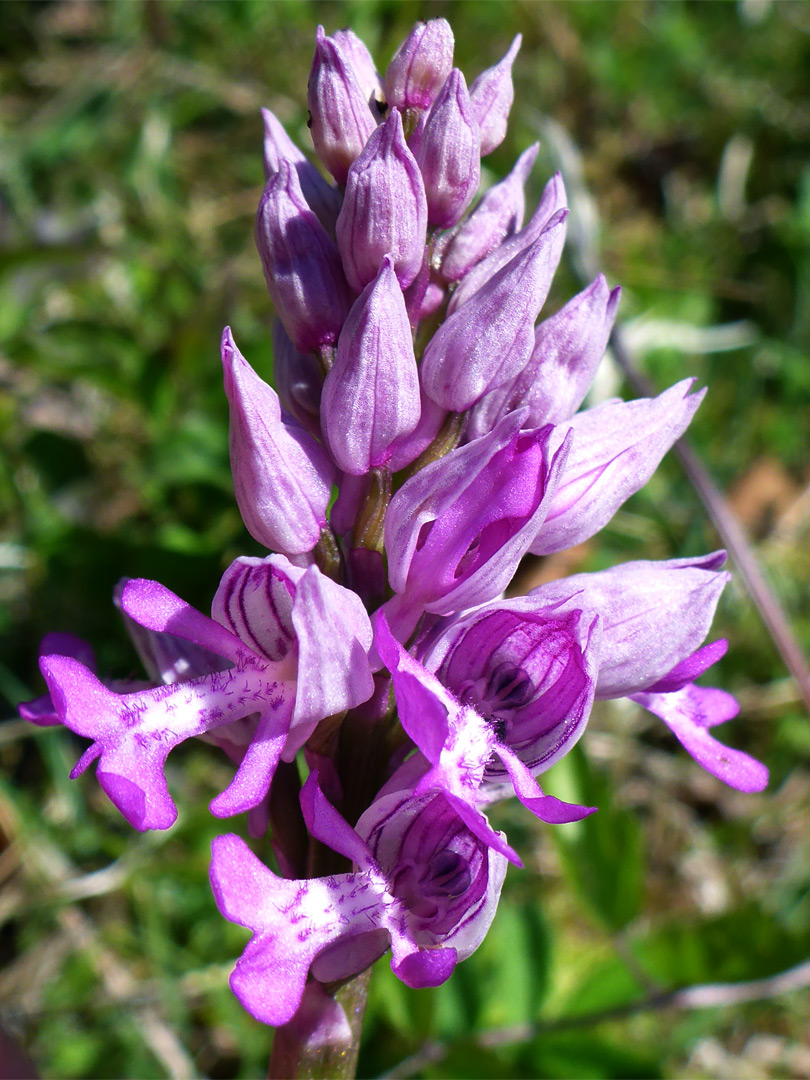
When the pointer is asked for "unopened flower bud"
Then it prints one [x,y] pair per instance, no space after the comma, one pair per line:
[492,94]
[567,351]
[420,65]
[321,197]
[298,380]
[301,264]
[498,215]
[282,476]
[566,354]
[371,395]
[488,340]
[448,153]
[362,64]
[617,447]
[384,209]
[341,120]
[551,202]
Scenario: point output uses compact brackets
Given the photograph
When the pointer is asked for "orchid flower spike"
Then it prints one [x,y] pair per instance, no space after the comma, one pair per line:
[374,681]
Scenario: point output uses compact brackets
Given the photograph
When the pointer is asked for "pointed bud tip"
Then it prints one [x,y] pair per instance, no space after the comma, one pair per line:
[513,49]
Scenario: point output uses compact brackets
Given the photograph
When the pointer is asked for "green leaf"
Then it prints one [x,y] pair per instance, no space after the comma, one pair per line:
[602,855]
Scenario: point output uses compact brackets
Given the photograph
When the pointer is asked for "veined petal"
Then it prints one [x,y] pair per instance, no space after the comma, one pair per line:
[616,448]
[255,600]
[530,670]
[459,743]
[456,531]
[476,822]
[653,615]
[430,888]
[334,639]
[446,880]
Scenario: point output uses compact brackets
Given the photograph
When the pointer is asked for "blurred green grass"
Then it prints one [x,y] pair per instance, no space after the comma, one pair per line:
[130,169]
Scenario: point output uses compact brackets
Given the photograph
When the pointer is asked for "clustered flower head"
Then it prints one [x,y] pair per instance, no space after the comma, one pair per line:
[423,436]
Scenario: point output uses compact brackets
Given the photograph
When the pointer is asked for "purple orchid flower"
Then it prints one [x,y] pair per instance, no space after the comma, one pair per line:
[456,531]
[654,618]
[424,884]
[269,626]
[405,342]
[459,744]
[616,447]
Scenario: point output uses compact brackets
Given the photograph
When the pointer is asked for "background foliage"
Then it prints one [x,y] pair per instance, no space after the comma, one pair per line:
[129,173]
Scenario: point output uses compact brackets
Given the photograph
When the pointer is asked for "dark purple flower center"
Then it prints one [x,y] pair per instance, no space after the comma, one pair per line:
[496,693]
[425,888]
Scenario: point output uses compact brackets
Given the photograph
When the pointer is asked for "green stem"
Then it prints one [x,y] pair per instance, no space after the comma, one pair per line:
[296,1058]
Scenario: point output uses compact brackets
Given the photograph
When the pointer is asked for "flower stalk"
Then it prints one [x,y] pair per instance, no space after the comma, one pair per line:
[314,1055]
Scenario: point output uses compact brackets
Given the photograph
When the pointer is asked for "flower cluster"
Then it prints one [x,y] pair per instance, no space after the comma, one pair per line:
[423,436]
